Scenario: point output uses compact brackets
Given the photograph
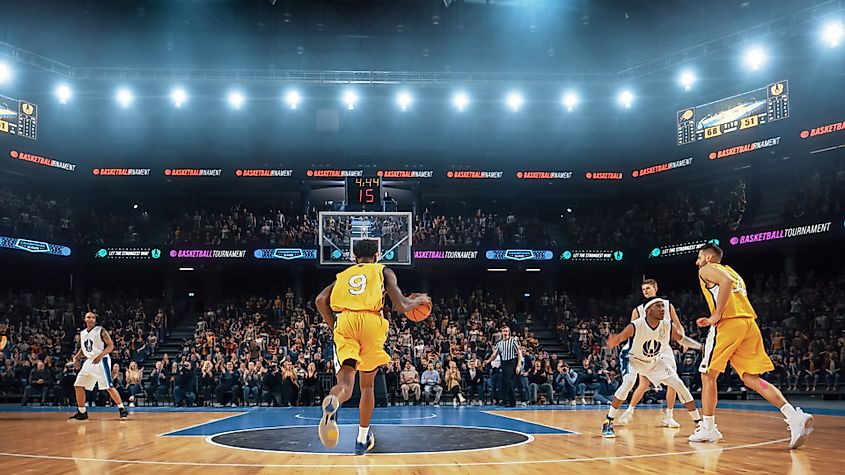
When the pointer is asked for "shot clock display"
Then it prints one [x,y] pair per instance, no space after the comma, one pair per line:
[363,193]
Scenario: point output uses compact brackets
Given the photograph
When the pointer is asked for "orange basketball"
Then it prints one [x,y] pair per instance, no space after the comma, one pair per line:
[420,313]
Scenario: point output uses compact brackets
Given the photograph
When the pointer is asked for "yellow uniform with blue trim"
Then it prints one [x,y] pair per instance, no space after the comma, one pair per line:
[360,329]
[736,336]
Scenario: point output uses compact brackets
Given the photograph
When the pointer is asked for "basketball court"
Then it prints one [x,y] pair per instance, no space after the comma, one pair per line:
[409,439]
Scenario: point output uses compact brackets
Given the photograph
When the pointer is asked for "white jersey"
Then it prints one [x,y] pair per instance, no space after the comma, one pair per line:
[651,354]
[667,317]
[91,342]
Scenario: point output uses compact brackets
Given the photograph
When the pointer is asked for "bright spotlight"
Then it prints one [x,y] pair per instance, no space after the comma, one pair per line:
[755,57]
[460,100]
[124,97]
[178,96]
[626,99]
[5,73]
[292,98]
[832,34]
[350,98]
[404,99]
[63,93]
[570,100]
[687,79]
[515,101]
[236,99]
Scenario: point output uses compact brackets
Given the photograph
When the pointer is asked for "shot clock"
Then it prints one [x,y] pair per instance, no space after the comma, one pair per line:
[363,193]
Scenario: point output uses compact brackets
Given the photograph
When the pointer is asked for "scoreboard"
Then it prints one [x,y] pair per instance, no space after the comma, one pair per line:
[740,112]
[18,118]
[363,193]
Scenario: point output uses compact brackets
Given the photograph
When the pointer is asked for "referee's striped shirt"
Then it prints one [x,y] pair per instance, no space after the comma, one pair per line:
[508,349]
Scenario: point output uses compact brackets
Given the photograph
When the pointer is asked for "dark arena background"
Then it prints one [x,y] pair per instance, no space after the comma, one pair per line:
[195,172]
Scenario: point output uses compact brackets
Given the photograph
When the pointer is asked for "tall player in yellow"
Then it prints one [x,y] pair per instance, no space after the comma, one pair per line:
[360,331]
[734,336]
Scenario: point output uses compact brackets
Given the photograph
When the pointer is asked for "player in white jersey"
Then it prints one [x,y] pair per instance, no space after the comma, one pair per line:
[95,345]
[649,337]
[649,290]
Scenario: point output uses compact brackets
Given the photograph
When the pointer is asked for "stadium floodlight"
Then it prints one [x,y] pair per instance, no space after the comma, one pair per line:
[626,99]
[404,99]
[5,73]
[292,99]
[124,97]
[350,98]
[460,100]
[236,99]
[515,101]
[687,79]
[570,100]
[63,93]
[832,34]
[178,96]
[755,58]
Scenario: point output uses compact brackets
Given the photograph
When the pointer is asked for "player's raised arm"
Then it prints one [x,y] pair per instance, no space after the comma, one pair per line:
[323,306]
[615,339]
[401,303]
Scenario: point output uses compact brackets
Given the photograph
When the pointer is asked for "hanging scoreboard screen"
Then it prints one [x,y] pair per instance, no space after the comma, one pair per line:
[740,112]
[18,118]
[363,193]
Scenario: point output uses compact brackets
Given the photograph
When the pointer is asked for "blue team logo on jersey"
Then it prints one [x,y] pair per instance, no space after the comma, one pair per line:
[651,348]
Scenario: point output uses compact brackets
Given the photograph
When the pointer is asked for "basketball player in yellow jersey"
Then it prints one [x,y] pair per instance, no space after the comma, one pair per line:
[360,331]
[734,336]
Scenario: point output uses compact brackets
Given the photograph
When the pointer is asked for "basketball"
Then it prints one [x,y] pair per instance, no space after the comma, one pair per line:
[420,313]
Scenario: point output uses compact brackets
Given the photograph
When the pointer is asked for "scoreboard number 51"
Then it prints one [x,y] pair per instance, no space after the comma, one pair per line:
[748,122]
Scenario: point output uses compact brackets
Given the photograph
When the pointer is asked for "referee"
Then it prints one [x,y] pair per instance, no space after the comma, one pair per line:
[511,355]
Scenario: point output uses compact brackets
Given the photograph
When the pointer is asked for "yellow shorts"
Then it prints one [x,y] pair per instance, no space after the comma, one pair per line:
[739,341]
[360,336]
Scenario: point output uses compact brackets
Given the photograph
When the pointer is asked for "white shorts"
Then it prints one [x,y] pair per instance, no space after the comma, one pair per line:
[91,374]
[657,371]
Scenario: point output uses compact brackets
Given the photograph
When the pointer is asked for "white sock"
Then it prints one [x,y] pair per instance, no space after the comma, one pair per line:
[631,408]
[82,409]
[362,434]
[709,422]
[788,411]
[120,405]
[670,413]
[612,412]
[695,415]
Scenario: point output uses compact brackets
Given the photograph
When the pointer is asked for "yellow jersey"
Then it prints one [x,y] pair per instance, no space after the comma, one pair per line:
[360,288]
[738,304]
[3,341]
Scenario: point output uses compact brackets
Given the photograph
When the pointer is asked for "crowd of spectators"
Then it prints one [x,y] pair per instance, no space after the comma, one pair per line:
[29,214]
[819,194]
[480,229]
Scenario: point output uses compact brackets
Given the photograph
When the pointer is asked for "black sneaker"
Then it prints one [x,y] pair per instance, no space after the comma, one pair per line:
[80,416]
[123,412]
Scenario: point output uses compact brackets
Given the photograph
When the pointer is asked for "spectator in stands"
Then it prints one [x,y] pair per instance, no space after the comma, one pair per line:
[586,380]
[831,372]
[134,376]
[272,386]
[538,380]
[565,382]
[410,381]
[63,390]
[290,386]
[251,384]
[206,382]
[608,383]
[158,383]
[185,389]
[312,391]
[811,372]
[475,382]
[430,381]
[793,373]
[391,379]
[119,382]
[453,383]
[40,380]
[227,389]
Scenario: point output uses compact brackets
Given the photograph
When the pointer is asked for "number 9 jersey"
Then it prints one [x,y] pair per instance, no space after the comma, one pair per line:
[360,288]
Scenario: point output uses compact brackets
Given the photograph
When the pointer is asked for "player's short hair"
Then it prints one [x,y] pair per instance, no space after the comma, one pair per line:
[365,248]
[712,249]
[92,314]
[650,282]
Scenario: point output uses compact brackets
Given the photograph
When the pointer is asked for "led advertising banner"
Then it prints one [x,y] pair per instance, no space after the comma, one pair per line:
[781,233]
[678,249]
[749,147]
[823,130]
[518,255]
[543,175]
[258,173]
[121,172]
[207,253]
[473,175]
[197,172]
[603,175]
[286,254]
[405,174]
[444,255]
[333,173]
[128,253]
[33,246]
[43,161]
[592,255]
[663,167]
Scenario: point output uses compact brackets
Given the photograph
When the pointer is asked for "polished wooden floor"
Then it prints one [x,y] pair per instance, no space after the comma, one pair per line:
[755,442]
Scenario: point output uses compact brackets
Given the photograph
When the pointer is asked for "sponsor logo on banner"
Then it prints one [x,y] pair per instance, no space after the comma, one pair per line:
[749,147]
[121,172]
[287,254]
[537,175]
[518,255]
[39,160]
[445,255]
[193,171]
[333,173]
[664,167]
[208,253]
[783,233]
[474,175]
[592,255]
[128,253]
[405,173]
[32,246]
[263,173]
[670,250]
[823,130]
[603,175]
